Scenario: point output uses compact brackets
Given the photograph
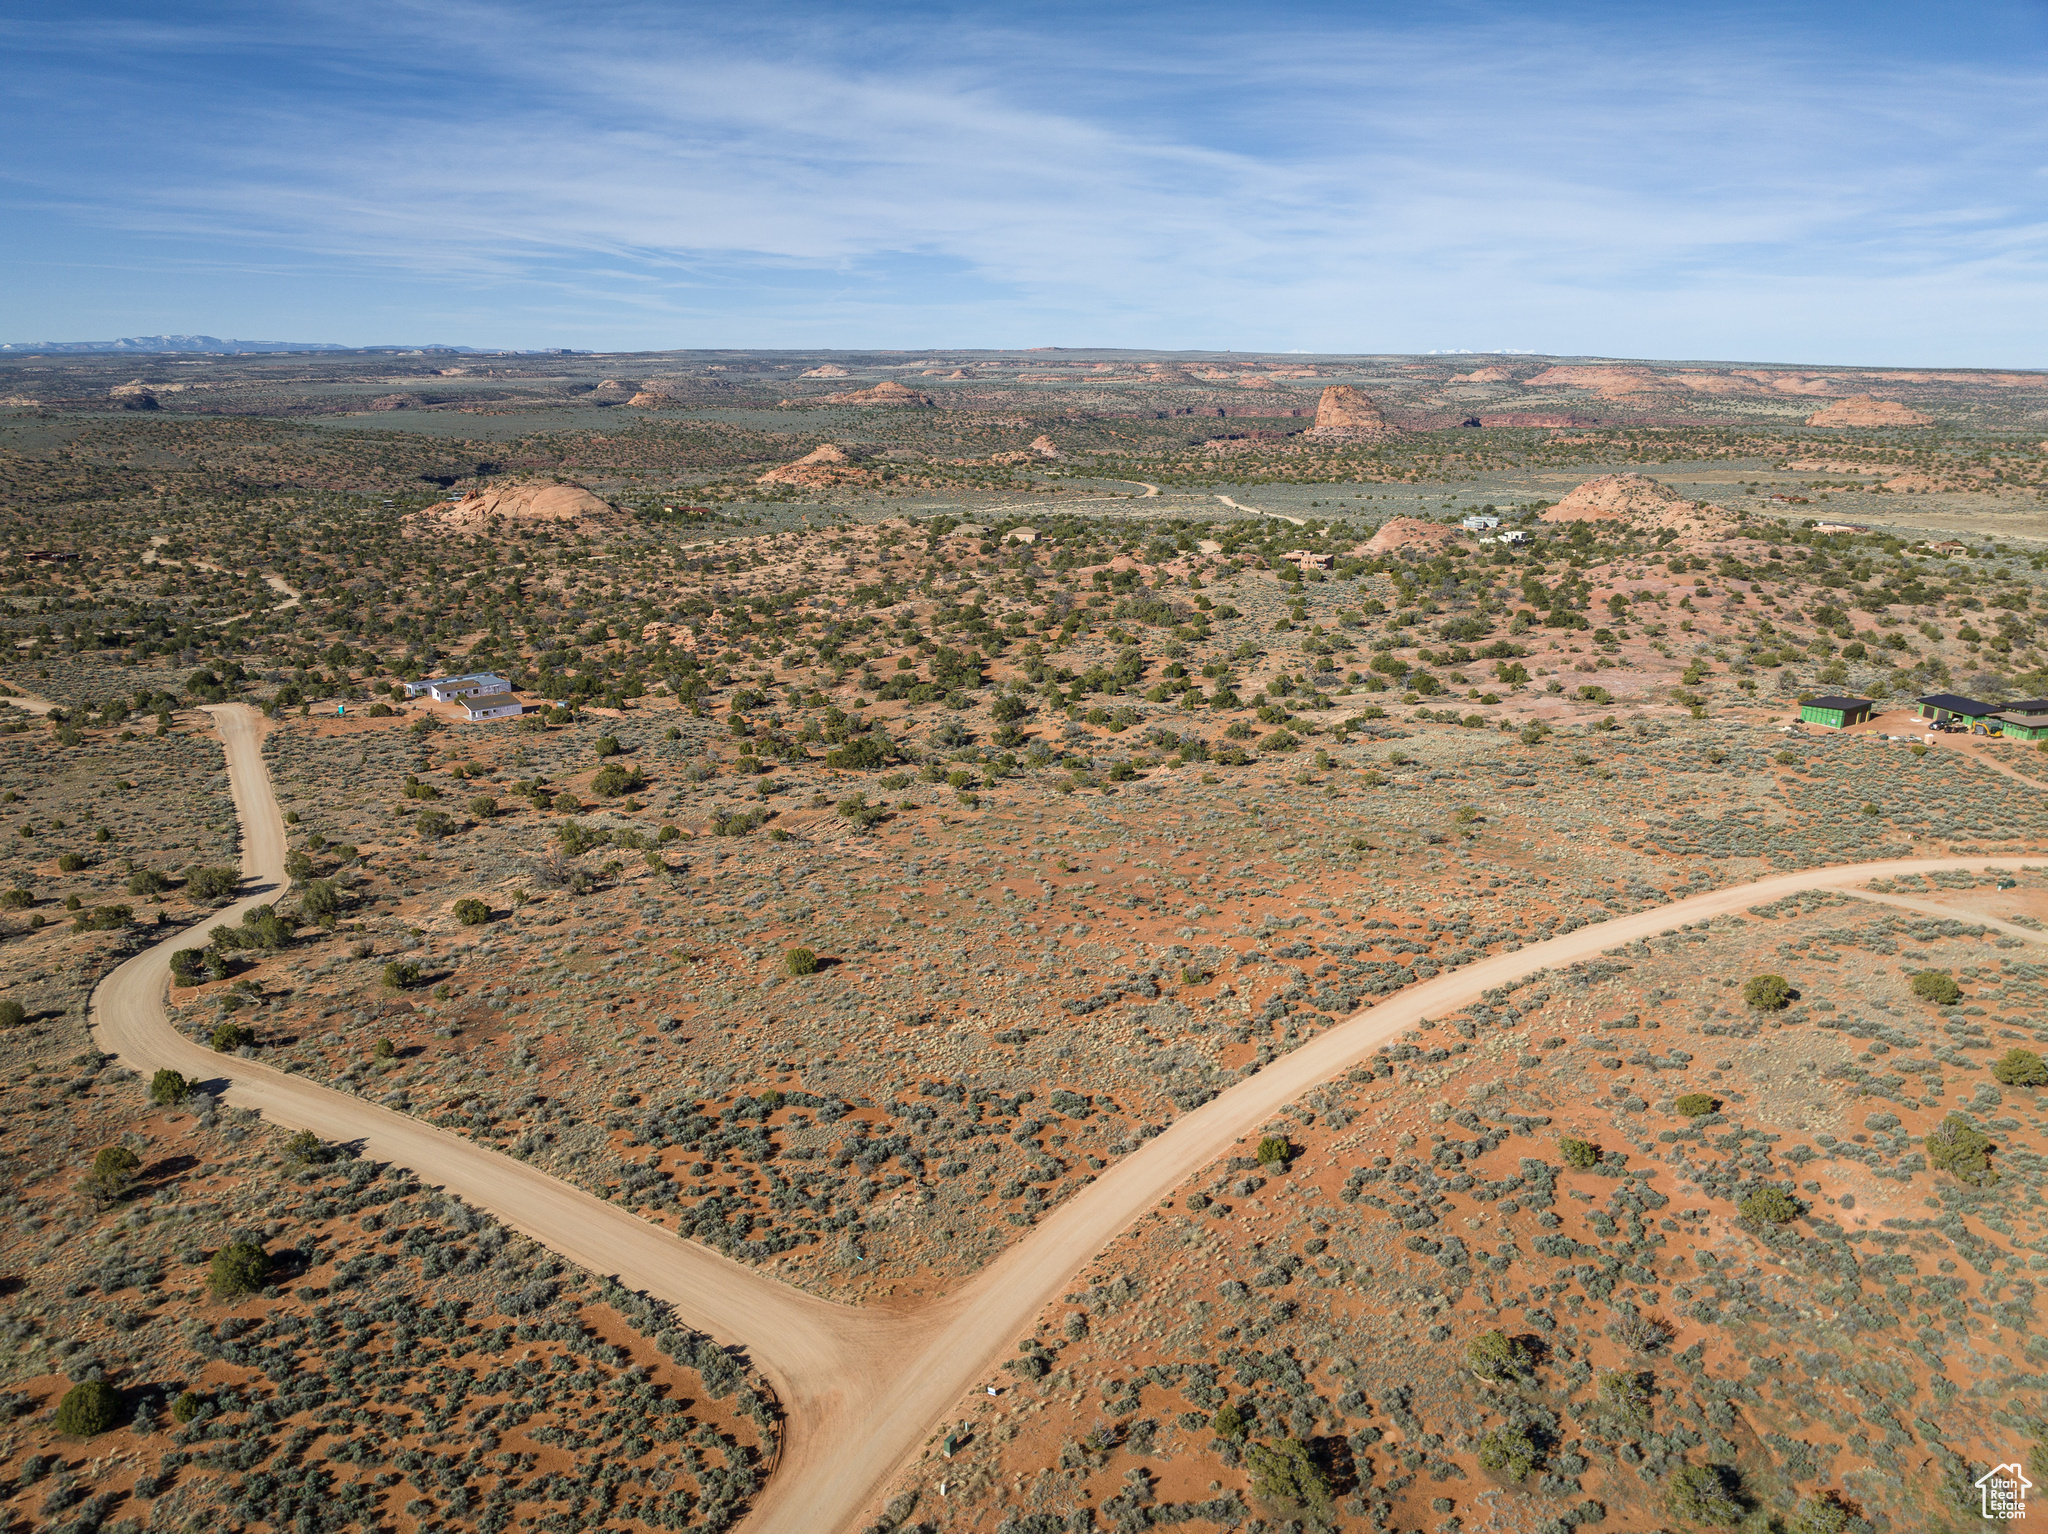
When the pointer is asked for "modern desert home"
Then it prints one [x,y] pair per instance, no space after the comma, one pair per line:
[482,694]
[2018,726]
[1835,713]
[1948,708]
[452,689]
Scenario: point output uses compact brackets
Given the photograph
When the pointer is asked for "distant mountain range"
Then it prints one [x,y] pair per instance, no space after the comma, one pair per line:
[209,344]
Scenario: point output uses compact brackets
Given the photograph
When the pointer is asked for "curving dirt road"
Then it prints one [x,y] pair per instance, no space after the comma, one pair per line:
[863,1389]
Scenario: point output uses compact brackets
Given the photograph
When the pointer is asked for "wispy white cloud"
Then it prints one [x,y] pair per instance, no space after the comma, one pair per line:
[1561,184]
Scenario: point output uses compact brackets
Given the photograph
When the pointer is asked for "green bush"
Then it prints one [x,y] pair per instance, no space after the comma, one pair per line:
[307,1149]
[72,862]
[1819,1515]
[1699,1494]
[1497,1356]
[472,912]
[12,1013]
[607,745]
[432,825]
[800,961]
[615,779]
[147,881]
[1228,1423]
[1767,993]
[1961,1149]
[1578,1153]
[1769,1206]
[855,807]
[231,1036]
[1696,1105]
[383,1049]
[1286,1475]
[112,1170]
[402,974]
[17,900]
[1937,986]
[2021,1068]
[1274,1151]
[1509,1450]
[186,1407]
[239,1268]
[104,918]
[88,1409]
[168,1088]
[211,886]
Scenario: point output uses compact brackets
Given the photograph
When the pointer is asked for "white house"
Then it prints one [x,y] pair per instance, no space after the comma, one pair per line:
[1480,524]
[493,705]
[450,689]
[1515,537]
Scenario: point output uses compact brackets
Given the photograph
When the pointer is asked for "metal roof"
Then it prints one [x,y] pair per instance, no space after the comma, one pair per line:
[1847,705]
[1955,703]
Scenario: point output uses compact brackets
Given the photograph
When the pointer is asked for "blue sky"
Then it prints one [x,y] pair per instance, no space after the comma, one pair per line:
[1817,183]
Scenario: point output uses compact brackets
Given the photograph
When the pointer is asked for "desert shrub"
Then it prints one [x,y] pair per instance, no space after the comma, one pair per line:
[168,1088]
[1497,1356]
[1274,1151]
[1625,1399]
[2021,1068]
[381,711]
[472,912]
[147,881]
[1961,1149]
[1819,1515]
[1937,986]
[1695,1105]
[863,753]
[484,806]
[186,1407]
[402,974]
[188,966]
[112,1170]
[432,825]
[616,778]
[320,899]
[1643,1334]
[1578,1153]
[1509,1450]
[211,886]
[231,1036]
[12,1013]
[17,900]
[800,961]
[1769,1206]
[1287,1475]
[383,1049]
[1700,1494]
[855,807]
[72,862]
[88,1409]
[239,1268]
[1767,993]
[1228,1423]
[607,745]
[307,1149]
[104,918]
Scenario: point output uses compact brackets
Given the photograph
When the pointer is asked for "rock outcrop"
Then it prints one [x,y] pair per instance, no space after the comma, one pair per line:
[525,500]
[1637,500]
[1411,535]
[1043,446]
[134,395]
[826,370]
[888,392]
[1348,414]
[394,402]
[822,466]
[1866,410]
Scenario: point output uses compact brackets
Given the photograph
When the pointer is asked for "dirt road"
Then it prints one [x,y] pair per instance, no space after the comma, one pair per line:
[863,1389]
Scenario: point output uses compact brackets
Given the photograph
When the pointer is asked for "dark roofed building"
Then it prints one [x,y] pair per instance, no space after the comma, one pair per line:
[1944,706]
[1835,713]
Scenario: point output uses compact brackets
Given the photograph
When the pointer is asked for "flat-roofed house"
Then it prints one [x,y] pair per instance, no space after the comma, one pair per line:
[1835,713]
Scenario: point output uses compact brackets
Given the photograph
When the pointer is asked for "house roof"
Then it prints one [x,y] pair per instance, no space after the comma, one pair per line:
[490,702]
[1955,703]
[2028,706]
[1847,705]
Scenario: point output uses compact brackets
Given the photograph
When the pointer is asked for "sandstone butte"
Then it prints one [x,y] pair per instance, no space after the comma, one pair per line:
[825,370]
[529,500]
[1637,499]
[1494,374]
[1405,535]
[1345,412]
[888,392]
[1867,410]
[827,465]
